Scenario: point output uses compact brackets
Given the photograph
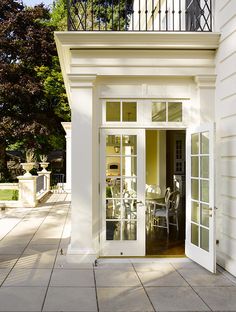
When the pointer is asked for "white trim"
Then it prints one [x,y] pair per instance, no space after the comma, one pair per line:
[137,40]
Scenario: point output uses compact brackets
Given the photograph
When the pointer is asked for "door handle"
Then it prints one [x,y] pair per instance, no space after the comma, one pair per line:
[211,210]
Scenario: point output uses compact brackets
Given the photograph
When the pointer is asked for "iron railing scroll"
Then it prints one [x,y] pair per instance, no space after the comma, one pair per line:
[139,15]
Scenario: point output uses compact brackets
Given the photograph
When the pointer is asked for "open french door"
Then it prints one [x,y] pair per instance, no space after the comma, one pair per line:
[200,211]
[122,192]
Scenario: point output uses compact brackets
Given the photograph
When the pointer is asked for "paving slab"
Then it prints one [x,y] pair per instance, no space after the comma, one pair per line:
[175,299]
[71,299]
[28,277]
[72,277]
[218,298]
[22,299]
[115,278]
[123,299]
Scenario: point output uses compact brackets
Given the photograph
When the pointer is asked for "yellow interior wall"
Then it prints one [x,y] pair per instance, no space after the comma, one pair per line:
[151,157]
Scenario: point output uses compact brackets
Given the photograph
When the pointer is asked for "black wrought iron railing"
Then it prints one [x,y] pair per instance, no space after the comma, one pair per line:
[139,15]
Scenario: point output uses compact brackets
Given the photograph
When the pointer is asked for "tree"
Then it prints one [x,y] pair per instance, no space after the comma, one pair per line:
[27,110]
[59,14]
[99,14]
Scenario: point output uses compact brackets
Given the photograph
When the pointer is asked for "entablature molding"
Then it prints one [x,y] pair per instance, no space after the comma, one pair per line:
[138,40]
[81,80]
[205,81]
[67,127]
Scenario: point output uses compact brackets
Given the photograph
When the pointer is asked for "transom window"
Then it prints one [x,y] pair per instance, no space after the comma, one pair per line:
[121,111]
[167,111]
[145,111]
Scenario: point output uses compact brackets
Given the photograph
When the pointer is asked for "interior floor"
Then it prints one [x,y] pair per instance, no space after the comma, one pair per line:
[159,243]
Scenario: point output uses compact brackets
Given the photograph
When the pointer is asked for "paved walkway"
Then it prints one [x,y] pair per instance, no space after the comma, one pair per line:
[35,276]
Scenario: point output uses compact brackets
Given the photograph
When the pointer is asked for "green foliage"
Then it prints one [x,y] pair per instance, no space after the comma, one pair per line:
[15,195]
[32,94]
[101,15]
[9,194]
[54,89]
[59,15]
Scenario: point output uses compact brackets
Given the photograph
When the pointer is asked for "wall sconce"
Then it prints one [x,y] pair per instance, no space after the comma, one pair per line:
[116,149]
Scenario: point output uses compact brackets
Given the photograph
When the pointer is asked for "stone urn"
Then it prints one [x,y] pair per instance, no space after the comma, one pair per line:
[27,167]
[44,165]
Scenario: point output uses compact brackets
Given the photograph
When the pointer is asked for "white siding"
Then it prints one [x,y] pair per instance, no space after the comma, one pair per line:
[226,134]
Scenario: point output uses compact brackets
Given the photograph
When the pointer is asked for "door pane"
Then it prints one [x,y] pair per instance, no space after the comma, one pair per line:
[205,215]
[112,145]
[129,166]
[204,142]
[112,111]
[175,111]
[194,189]
[113,188]
[159,111]
[113,209]
[129,145]
[204,191]
[194,234]
[130,208]
[129,111]
[204,237]
[112,230]
[194,144]
[194,166]
[129,231]
[130,187]
[204,160]
[112,166]
[195,212]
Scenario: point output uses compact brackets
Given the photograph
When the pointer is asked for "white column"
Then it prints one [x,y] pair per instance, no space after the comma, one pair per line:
[206,97]
[67,128]
[82,167]
[27,191]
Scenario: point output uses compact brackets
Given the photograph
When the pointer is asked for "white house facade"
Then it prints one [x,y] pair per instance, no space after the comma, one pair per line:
[153,106]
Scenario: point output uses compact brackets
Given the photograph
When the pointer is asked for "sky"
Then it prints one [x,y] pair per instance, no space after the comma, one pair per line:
[34,2]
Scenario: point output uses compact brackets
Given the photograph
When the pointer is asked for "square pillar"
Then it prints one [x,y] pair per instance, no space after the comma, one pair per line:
[46,175]
[27,191]
[81,95]
[67,128]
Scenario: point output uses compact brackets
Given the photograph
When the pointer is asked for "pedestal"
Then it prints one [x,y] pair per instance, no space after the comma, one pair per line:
[27,191]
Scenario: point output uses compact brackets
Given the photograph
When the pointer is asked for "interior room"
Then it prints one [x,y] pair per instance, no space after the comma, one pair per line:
[165,174]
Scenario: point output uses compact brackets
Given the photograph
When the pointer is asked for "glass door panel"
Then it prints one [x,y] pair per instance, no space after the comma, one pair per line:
[200,242]
[123,185]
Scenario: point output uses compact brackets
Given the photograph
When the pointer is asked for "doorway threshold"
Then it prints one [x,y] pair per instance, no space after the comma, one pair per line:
[126,260]
[143,257]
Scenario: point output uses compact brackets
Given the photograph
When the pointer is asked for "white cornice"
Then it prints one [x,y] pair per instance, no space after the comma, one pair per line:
[66,126]
[83,80]
[138,40]
[205,81]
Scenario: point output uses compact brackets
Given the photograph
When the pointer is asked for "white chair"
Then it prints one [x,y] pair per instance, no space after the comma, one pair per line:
[166,211]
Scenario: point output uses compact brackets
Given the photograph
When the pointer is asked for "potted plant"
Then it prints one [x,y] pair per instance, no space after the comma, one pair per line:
[30,162]
[44,164]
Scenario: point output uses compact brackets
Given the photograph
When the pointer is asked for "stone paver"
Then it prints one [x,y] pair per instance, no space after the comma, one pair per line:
[36,275]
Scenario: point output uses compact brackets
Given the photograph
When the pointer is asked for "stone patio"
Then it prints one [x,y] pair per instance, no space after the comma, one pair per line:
[37,275]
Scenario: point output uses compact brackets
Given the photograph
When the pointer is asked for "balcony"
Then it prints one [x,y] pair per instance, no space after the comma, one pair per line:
[140,15]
